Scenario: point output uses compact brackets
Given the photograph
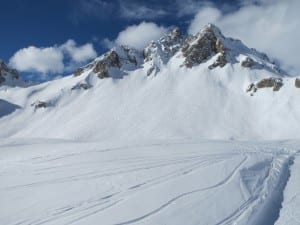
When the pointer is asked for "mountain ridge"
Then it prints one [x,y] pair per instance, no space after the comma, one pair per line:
[193,47]
[202,86]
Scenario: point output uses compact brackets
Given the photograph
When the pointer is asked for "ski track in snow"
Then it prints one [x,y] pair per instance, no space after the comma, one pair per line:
[142,184]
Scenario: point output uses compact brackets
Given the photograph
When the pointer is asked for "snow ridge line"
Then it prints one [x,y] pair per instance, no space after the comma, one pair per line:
[269,201]
[293,157]
[263,208]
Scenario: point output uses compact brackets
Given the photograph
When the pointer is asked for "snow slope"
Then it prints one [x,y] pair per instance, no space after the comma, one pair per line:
[157,182]
[175,101]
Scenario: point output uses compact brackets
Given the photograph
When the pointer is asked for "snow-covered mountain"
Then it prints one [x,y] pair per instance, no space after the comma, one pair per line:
[201,86]
[123,140]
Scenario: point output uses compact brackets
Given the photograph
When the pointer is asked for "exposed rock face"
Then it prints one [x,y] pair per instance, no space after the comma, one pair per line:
[39,104]
[272,82]
[6,72]
[159,52]
[83,86]
[221,62]
[248,63]
[101,70]
[130,56]
[297,83]
[110,59]
[147,52]
[206,44]
[252,88]
[209,45]
[172,42]
[275,83]
[119,58]
[165,47]
[153,69]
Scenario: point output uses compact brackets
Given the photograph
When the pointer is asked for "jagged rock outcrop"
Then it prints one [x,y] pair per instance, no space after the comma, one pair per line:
[221,62]
[7,73]
[81,86]
[297,83]
[248,63]
[275,83]
[158,53]
[272,82]
[120,58]
[39,104]
[251,88]
[165,47]
[203,46]
[209,45]
[110,59]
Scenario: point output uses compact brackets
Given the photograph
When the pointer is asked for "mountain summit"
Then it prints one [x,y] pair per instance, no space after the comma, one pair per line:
[197,86]
[194,49]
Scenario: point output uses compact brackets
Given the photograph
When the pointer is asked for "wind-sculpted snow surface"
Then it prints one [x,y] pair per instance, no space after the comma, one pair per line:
[157,182]
[290,213]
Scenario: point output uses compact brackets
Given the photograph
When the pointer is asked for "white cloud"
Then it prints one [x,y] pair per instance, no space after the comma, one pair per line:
[78,54]
[271,26]
[204,16]
[55,59]
[139,36]
[43,60]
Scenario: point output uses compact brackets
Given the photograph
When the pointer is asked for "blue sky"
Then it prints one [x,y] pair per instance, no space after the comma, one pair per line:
[51,23]
[48,22]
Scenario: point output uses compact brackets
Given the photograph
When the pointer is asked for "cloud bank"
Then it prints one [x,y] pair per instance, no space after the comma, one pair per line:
[55,59]
[43,60]
[78,54]
[271,26]
[140,35]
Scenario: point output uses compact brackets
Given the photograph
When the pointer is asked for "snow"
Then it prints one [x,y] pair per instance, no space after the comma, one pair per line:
[290,213]
[156,182]
[181,146]
[176,103]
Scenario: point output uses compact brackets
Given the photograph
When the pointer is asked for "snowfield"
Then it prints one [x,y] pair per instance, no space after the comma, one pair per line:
[158,182]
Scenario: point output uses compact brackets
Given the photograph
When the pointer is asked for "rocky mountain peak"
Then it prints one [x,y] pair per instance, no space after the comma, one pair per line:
[211,29]
[208,45]
[7,74]
[205,44]
[119,58]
